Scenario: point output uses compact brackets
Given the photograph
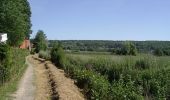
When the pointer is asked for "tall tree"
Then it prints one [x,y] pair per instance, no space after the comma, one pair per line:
[133,50]
[40,41]
[15,20]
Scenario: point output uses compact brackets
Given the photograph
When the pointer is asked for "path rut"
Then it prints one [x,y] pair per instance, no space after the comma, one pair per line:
[52,84]
[44,81]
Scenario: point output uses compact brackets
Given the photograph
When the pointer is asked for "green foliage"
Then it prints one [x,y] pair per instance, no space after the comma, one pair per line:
[125,90]
[5,62]
[44,55]
[142,64]
[32,51]
[15,20]
[10,67]
[162,52]
[133,50]
[40,41]
[126,49]
[132,79]
[109,46]
[94,85]
[158,52]
[58,56]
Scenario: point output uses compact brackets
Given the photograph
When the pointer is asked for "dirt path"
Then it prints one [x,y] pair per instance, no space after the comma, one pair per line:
[51,83]
[26,87]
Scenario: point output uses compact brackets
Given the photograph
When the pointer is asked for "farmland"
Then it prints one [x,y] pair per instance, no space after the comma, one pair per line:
[108,77]
[105,50]
[118,70]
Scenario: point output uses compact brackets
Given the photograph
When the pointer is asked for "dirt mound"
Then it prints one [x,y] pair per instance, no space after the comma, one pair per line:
[51,82]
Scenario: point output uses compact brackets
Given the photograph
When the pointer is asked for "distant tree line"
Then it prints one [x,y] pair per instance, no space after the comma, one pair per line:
[162,52]
[118,47]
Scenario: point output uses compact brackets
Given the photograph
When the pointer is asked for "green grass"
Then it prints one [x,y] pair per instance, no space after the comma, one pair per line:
[10,87]
[134,77]
[15,71]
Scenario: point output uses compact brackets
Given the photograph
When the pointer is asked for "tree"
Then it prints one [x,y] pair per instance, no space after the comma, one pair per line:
[127,49]
[57,55]
[15,20]
[133,50]
[40,41]
[158,52]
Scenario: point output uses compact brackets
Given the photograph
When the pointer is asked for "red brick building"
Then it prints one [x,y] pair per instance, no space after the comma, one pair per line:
[26,44]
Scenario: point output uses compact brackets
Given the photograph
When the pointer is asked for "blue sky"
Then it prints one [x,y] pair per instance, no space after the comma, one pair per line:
[102,19]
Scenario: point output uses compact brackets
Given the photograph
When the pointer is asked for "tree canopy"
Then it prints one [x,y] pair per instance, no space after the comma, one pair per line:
[40,41]
[15,20]
[113,46]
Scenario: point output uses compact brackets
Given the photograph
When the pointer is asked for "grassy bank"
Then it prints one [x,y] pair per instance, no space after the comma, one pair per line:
[12,71]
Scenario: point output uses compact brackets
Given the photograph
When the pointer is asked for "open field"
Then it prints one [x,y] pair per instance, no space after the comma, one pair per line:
[108,77]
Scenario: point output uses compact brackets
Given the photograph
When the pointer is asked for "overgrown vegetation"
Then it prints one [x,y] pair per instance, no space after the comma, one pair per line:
[130,78]
[5,63]
[45,55]
[40,41]
[126,49]
[15,21]
[110,46]
[57,55]
[12,65]
[162,52]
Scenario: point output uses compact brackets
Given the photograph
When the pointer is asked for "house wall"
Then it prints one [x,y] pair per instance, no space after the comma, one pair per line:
[25,44]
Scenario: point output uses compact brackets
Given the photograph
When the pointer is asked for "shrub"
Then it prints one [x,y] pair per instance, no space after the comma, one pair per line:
[94,85]
[10,67]
[32,51]
[57,56]
[44,55]
[126,49]
[158,52]
[5,63]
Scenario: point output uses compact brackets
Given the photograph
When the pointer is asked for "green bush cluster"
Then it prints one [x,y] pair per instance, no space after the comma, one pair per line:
[57,56]
[94,85]
[32,51]
[12,63]
[5,62]
[162,52]
[126,49]
[45,55]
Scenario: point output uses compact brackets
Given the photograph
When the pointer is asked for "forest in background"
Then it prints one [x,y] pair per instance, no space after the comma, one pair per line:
[162,47]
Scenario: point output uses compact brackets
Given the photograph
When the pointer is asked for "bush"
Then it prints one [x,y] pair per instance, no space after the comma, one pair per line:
[126,49]
[32,51]
[10,67]
[158,52]
[57,56]
[5,63]
[44,55]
